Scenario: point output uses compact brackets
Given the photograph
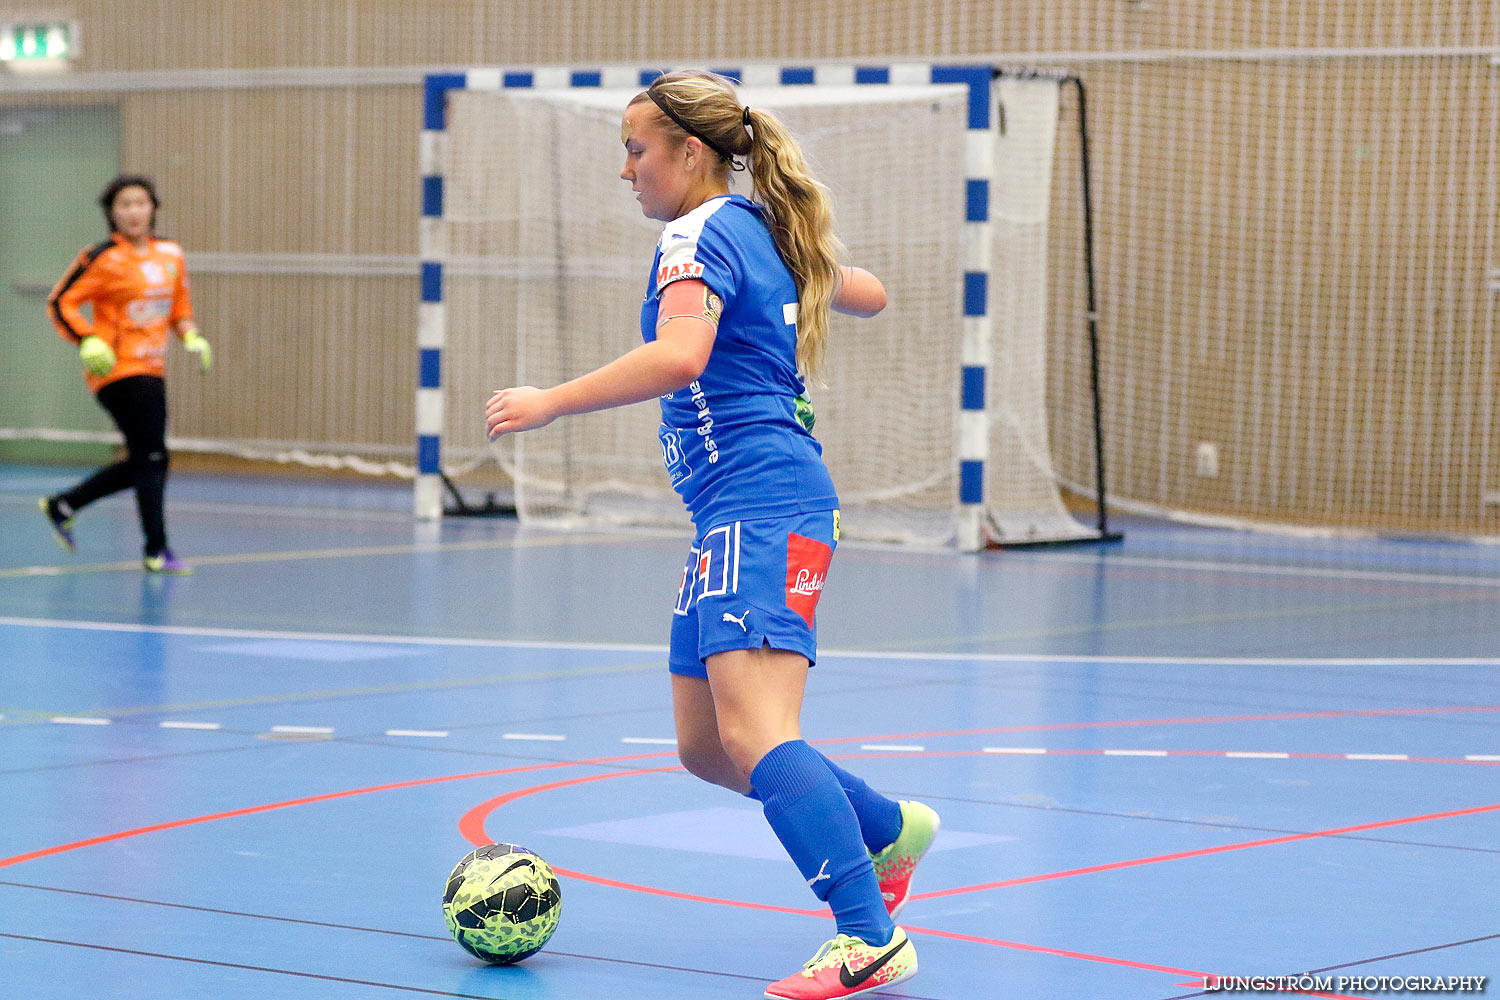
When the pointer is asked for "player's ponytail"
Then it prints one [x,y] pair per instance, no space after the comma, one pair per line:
[802,225]
[800,212]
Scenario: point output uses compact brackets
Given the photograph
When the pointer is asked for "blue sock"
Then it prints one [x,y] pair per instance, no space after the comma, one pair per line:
[879,817]
[811,815]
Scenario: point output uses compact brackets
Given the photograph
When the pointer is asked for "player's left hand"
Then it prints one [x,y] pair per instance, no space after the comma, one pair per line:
[522,408]
[197,344]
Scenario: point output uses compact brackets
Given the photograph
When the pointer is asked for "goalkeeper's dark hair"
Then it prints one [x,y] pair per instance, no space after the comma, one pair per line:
[112,190]
[705,105]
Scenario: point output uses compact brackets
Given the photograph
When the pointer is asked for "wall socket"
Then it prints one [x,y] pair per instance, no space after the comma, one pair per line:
[1207,459]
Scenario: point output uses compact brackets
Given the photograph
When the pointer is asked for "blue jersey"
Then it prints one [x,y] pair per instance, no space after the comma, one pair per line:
[731,441]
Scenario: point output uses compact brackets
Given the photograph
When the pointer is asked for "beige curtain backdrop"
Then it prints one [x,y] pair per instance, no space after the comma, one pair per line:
[1295,216]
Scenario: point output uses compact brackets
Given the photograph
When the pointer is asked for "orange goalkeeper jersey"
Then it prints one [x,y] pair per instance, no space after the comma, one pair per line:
[137,295]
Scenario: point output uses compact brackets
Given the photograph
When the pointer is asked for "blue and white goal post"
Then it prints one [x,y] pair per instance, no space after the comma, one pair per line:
[521,259]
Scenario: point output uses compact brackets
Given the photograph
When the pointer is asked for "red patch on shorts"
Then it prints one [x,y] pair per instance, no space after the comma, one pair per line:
[806,567]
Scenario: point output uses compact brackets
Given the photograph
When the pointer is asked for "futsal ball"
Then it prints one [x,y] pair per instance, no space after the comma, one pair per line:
[502,903]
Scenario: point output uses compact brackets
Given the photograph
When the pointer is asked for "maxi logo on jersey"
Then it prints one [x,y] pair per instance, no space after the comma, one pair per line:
[668,273]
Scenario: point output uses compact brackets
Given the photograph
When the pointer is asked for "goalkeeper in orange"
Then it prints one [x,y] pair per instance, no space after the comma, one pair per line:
[137,286]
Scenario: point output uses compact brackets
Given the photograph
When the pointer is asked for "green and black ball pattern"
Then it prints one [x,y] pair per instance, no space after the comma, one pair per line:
[502,903]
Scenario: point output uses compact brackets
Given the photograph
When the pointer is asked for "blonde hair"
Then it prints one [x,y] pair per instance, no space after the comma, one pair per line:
[800,212]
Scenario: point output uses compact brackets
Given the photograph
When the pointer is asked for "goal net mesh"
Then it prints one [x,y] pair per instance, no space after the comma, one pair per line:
[546,262]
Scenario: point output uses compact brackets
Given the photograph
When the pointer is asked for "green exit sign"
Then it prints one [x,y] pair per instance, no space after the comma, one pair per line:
[52,40]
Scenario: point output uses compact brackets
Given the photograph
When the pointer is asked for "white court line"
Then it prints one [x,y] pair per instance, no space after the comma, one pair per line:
[852,654]
[874,747]
[388,640]
[1310,572]
[1237,754]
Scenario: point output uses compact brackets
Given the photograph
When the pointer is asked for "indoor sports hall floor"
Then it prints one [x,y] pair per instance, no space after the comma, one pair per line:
[1193,753]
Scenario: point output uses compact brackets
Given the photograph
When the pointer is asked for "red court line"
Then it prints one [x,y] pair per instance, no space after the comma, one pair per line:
[688,896]
[1189,721]
[472,827]
[1086,957]
[1204,851]
[308,800]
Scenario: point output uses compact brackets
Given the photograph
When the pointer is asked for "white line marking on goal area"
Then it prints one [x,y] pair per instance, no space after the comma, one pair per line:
[1233,754]
[1313,572]
[173,724]
[849,654]
[78,720]
[303,730]
[655,741]
[433,733]
[893,747]
[548,737]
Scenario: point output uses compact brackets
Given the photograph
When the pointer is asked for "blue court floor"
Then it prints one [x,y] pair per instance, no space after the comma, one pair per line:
[1196,753]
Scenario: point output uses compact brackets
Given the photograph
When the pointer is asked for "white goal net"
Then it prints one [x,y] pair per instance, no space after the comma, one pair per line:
[546,256]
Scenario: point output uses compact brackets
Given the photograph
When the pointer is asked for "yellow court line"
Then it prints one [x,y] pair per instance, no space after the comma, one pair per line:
[292,555]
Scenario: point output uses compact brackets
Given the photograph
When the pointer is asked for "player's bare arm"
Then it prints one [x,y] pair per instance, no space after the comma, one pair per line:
[859,293]
[676,357]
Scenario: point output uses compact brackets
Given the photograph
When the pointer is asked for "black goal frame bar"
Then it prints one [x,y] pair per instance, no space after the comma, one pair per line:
[1101,517]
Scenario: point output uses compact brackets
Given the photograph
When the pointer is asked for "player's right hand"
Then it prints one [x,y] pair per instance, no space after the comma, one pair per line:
[97,356]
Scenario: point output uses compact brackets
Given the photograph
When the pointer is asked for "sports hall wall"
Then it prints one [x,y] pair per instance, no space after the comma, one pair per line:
[1295,216]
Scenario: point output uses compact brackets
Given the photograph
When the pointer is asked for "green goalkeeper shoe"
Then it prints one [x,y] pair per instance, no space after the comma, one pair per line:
[62,524]
[894,865]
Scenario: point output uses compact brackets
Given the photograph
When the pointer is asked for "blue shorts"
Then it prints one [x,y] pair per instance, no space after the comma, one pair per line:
[752,583]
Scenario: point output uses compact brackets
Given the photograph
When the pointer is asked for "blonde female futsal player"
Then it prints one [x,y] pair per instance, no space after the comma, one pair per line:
[736,312]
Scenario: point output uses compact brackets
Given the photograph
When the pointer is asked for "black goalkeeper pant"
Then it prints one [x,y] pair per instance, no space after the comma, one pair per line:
[139,407]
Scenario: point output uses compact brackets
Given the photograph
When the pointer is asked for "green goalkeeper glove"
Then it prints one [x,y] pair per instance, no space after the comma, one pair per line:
[196,344]
[98,357]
